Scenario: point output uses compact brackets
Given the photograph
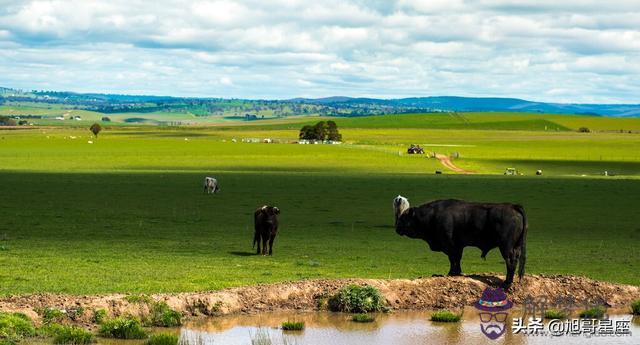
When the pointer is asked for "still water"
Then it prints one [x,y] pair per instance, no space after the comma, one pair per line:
[397,328]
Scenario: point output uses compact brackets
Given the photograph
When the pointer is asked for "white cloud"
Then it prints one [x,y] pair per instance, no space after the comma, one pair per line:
[543,50]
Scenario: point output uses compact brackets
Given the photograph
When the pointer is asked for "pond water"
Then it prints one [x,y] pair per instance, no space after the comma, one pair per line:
[398,328]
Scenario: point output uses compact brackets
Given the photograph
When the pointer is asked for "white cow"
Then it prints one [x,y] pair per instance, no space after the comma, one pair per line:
[400,204]
[211,185]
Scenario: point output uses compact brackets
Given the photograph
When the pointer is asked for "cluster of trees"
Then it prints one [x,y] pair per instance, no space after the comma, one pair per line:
[321,131]
[7,121]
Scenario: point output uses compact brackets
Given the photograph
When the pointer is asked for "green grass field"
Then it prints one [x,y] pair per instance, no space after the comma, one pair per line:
[127,213]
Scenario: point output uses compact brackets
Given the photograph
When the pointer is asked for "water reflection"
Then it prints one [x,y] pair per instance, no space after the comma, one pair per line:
[402,328]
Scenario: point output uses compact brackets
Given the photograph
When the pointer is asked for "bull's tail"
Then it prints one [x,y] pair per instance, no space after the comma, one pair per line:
[523,242]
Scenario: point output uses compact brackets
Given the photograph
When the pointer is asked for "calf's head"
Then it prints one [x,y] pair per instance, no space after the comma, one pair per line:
[407,224]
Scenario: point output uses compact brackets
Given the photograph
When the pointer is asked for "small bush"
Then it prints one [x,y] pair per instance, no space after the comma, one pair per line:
[292,326]
[49,330]
[635,307]
[72,335]
[362,318]
[14,327]
[555,314]
[163,316]
[51,315]
[445,316]
[99,316]
[162,339]
[122,328]
[593,313]
[357,299]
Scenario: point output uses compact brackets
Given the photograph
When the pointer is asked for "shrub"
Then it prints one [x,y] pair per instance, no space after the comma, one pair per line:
[99,315]
[292,326]
[72,335]
[362,318]
[75,313]
[357,299]
[14,327]
[584,130]
[122,328]
[445,316]
[50,315]
[163,316]
[49,330]
[162,339]
[593,313]
[635,307]
[555,314]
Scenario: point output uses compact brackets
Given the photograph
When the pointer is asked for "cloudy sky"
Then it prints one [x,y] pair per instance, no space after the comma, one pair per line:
[547,50]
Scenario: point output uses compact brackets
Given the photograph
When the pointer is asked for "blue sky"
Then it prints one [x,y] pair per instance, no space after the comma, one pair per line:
[558,51]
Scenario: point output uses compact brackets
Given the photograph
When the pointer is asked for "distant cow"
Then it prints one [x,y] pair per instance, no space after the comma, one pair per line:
[400,204]
[211,185]
[266,227]
[450,225]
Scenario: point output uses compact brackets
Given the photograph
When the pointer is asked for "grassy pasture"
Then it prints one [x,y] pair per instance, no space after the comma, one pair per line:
[127,213]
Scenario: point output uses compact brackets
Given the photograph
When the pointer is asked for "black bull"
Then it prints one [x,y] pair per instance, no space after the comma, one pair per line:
[450,225]
[266,228]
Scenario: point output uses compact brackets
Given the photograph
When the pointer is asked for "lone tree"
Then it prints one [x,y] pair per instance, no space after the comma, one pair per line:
[321,131]
[95,129]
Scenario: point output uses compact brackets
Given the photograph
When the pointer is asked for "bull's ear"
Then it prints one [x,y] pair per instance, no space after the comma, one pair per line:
[276,210]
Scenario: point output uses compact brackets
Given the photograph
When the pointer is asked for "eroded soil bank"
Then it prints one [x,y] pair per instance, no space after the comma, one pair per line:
[308,295]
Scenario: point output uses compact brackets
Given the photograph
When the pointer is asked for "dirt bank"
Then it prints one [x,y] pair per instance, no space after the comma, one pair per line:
[411,294]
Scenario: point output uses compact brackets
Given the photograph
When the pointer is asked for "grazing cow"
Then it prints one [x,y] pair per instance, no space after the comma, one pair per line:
[450,225]
[211,185]
[400,204]
[266,227]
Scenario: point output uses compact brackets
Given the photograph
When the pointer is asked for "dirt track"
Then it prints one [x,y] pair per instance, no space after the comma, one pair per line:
[414,294]
[446,161]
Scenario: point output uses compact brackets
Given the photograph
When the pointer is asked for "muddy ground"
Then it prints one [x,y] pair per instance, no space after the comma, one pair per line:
[309,295]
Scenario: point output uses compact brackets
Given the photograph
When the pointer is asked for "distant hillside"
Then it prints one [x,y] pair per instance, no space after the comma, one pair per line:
[464,104]
[329,106]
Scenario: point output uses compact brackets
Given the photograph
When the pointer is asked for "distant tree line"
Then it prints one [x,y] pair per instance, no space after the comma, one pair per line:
[321,131]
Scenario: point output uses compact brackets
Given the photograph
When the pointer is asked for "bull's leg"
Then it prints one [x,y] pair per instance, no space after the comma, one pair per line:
[454,262]
[511,260]
[257,240]
[272,237]
[265,240]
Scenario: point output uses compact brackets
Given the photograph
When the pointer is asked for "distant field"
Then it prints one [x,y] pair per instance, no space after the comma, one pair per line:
[477,121]
[126,213]
[469,120]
